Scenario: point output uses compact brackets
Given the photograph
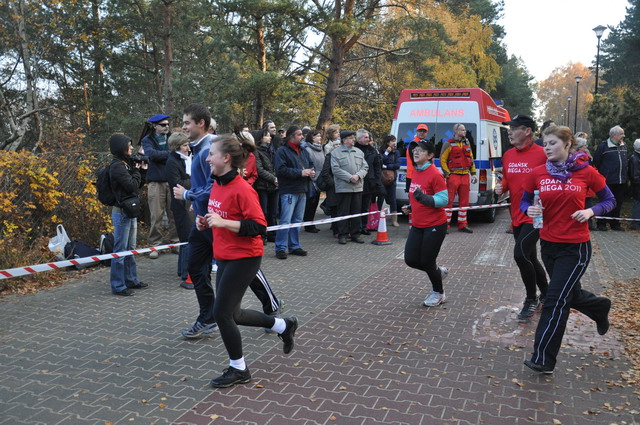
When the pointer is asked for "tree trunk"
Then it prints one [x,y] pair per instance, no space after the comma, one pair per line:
[333,84]
[262,65]
[32,90]
[168,57]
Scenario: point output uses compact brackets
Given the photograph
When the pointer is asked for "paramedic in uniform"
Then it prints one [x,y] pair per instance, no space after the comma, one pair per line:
[457,164]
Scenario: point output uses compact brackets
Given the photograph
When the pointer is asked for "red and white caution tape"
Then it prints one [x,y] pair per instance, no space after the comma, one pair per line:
[28,270]
[23,271]
[616,218]
[323,221]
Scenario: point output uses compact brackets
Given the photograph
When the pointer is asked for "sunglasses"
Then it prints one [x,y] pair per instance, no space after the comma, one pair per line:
[164,125]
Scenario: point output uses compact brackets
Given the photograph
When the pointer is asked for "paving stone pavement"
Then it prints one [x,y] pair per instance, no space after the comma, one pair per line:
[366,351]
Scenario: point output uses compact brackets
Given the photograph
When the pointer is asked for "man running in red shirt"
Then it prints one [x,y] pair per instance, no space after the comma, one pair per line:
[517,164]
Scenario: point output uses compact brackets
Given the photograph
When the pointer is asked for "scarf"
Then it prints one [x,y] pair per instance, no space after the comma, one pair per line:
[424,167]
[564,170]
[187,161]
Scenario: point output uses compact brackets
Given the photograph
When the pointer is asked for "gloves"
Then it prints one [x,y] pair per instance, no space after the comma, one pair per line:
[423,198]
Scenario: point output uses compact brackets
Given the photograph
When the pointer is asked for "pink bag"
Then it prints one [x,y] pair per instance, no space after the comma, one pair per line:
[374,219]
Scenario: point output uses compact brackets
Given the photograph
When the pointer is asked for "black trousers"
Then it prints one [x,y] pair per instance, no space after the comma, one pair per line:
[349,203]
[200,257]
[421,252]
[618,193]
[565,263]
[232,279]
[526,257]
[310,208]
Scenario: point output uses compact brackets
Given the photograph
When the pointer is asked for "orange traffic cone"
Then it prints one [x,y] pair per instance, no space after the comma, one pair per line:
[381,237]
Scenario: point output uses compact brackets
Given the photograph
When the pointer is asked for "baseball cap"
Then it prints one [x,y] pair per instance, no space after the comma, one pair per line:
[522,120]
[422,127]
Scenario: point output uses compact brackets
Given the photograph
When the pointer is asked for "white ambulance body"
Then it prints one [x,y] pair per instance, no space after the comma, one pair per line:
[441,109]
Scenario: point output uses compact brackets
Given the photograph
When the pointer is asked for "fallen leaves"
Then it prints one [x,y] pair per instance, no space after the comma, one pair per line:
[625,316]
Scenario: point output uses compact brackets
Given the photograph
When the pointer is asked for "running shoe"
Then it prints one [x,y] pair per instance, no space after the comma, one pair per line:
[231,376]
[528,309]
[538,367]
[436,298]
[199,329]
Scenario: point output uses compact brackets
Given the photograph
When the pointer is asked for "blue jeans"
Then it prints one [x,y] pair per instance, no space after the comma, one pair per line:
[123,269]
[291,211]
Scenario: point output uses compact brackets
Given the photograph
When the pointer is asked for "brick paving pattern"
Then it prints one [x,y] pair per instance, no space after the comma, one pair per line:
[366,352]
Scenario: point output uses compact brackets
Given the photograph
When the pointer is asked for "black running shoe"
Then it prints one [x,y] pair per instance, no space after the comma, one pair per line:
[538,367]
[231,376]
[528,309]
[288,334]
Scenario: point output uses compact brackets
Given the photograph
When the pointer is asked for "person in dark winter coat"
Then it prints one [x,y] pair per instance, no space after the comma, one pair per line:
[634,175]
[267,183]
[295,172]
[125,182]
[611,160]
[326,184]
[314,148]
[391,162]
[154,142]
[373,181]
[178,170]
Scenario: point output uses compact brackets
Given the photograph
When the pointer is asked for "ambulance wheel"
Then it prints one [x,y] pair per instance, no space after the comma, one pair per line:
[489,215]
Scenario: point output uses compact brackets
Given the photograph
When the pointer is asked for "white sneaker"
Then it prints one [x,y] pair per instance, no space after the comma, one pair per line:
[214,268]
[436,298]
[444,272]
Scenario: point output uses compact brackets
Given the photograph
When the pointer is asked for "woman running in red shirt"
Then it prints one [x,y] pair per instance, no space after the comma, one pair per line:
[563,183]
[237,221]
[428,196]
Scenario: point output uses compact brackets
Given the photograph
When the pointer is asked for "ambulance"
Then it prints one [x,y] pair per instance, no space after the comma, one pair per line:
[441,109]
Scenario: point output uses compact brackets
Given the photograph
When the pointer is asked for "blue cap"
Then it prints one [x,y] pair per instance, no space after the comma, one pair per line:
[158,118]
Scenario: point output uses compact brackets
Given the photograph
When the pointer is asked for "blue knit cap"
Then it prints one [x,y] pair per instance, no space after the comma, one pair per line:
[158,118]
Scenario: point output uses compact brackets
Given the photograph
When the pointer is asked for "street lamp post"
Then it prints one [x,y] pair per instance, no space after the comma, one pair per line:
[568,110]
[575,117]
[599,30]
[564,117]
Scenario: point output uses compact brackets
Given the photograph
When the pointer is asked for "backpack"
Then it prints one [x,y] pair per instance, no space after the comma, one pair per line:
[77,249]
[106,246]
[103,186]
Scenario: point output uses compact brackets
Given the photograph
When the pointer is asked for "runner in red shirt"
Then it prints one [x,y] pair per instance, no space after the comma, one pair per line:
[517,164]
[427,196]
[235,215]
[563,183]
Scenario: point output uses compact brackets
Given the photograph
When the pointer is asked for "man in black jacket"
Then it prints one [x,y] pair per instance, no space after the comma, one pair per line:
[373,182]
[611,160]
[634,174]
[156,149]
[294,171]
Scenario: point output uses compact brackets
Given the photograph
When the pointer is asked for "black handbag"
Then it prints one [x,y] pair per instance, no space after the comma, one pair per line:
[132,206]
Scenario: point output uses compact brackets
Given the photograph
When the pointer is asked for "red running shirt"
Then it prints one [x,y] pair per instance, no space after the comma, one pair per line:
[517,165]
[235,201]
[560,200]
[430,181]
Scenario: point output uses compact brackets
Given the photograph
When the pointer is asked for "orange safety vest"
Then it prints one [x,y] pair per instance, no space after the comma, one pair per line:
[459,156]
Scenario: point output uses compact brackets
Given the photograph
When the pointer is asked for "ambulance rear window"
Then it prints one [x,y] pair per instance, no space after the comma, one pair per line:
[438,133]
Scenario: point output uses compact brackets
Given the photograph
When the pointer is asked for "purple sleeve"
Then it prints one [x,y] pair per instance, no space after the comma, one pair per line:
[526,201]
[607,202]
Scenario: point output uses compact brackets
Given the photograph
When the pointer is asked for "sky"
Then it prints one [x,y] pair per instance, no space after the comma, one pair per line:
[547,34]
